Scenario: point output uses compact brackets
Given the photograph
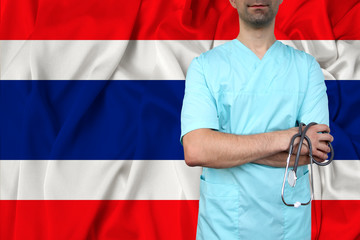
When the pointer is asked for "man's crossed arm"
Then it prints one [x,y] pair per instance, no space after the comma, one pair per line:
[209,148]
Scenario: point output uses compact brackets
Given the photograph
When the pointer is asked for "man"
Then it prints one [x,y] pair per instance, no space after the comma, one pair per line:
[242,101]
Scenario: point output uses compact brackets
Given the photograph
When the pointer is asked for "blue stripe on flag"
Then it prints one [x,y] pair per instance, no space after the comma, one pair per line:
[125,119]
[344,103]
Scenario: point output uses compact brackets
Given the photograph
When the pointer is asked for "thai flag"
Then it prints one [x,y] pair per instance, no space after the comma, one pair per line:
[90,99]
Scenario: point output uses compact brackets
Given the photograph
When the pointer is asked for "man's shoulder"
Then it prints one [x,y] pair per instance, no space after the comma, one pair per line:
[220,47]
[296,54]
[219,53]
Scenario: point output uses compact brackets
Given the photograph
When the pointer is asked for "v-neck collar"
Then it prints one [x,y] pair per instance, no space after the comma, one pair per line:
[251,53]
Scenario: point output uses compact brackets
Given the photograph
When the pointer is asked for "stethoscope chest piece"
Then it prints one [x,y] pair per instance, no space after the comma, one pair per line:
[292,178]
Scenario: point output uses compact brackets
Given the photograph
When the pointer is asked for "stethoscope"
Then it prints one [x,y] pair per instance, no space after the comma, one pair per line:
[291,175]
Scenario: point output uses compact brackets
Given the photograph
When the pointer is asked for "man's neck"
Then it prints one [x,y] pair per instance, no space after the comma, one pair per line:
[257,40]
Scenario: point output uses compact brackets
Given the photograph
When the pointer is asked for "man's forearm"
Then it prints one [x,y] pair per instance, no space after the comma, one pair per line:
[279,160]
[208,148]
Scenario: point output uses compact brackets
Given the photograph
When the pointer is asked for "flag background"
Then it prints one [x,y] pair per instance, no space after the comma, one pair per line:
[87,158]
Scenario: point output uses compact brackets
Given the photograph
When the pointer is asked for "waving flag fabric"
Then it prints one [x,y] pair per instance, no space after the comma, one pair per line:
[90,99]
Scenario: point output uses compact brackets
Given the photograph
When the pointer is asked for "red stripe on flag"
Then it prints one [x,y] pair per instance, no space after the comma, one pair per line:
[144,219]
[95,219]
[336,219]
[169,20]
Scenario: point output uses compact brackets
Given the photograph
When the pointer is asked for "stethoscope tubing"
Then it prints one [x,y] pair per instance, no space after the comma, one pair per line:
[303,136]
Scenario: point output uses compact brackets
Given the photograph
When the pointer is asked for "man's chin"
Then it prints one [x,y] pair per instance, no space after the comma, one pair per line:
[259,20]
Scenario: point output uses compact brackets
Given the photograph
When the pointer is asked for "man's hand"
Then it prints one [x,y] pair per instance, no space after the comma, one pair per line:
[319,141]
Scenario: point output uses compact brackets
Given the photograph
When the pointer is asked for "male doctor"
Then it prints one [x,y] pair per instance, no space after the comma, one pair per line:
[241,105]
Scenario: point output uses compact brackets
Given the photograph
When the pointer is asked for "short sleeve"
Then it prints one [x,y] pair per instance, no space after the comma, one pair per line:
[315,106]
[199,106]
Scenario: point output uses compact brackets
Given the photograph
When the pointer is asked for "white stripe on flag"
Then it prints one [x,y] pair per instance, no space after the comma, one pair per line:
[141,180]
[145,59]
[98,180]
[337,181]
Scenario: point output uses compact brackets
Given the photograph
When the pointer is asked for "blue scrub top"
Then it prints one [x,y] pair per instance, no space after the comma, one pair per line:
[229,89]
